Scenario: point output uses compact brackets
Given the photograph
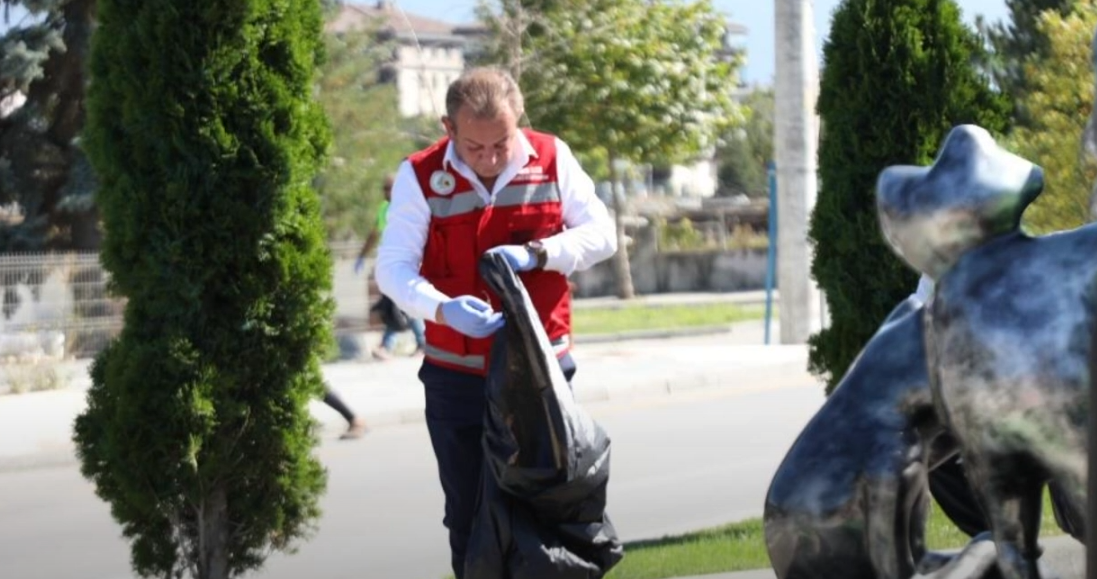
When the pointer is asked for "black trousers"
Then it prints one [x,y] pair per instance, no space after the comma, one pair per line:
[455,406]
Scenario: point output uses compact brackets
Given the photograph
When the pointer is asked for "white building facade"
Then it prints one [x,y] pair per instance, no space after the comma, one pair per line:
[428,55]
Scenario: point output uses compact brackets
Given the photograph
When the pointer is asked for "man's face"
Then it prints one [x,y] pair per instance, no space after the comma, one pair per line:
[485,145]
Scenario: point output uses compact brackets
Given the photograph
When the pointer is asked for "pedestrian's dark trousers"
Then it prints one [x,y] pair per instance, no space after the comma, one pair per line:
[456,403]
[336,402]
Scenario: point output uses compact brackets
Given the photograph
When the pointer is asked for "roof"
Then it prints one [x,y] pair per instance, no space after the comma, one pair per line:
[388,16]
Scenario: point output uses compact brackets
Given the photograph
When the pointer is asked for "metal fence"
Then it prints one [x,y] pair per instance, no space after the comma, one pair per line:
[57,304]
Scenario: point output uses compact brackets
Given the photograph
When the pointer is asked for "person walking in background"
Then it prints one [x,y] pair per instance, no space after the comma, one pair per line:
[485,186]
[395,321]
[356,427]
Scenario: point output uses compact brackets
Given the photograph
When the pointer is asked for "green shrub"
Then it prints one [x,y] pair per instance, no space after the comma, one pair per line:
[897,76]
[204,134]
[680,235]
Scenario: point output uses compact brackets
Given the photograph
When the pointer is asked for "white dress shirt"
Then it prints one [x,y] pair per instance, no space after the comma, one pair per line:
[589,235]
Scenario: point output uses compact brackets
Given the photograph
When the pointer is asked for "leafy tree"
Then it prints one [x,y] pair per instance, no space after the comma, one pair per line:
[368,144]
[42,167]
[1015,41]
[205,135]
[511,25]
[743,154]
[642,82]
[1059,97]
[898,76]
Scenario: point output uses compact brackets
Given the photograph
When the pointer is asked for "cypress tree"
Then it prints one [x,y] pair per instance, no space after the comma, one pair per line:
[898,74]
[205,136]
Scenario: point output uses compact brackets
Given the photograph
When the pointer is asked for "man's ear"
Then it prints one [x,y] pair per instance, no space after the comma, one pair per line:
[447,124]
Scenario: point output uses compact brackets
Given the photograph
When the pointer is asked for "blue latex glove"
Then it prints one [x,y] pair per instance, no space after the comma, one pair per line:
[471,316]
[519,258]
[359,264]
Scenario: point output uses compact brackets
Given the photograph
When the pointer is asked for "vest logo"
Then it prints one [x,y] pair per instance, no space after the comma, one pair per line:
[532,174]
[523,179]
[442,182]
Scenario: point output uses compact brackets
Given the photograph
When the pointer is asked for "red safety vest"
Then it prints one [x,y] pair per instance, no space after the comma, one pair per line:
[462,228]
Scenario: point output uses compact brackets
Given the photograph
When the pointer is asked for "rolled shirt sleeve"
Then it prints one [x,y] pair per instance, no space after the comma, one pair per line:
[590,235]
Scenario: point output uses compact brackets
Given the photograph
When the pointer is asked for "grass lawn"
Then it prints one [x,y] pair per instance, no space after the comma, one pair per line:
[641,317]
[741,546]
[736,546]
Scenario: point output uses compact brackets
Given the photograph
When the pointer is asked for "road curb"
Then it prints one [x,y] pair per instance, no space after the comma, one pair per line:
[732,381]
[37,426]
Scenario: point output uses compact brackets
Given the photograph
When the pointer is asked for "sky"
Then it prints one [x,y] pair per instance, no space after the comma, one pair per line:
[756,15]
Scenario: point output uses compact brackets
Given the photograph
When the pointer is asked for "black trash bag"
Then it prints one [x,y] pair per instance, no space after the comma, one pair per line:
[541,512]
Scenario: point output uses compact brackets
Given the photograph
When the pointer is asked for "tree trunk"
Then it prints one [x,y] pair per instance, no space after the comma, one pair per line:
[213,556]
[621,268]
[82,225]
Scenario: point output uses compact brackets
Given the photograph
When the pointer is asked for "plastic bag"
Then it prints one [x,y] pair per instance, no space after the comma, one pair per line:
[546,462]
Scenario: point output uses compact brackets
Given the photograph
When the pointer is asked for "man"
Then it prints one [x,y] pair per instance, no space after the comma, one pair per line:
[385,350]
[485,186]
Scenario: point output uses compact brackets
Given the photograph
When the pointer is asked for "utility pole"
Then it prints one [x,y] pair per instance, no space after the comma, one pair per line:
[795,143]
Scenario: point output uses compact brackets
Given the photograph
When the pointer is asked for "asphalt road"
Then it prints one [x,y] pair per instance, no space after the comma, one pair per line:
[679,463]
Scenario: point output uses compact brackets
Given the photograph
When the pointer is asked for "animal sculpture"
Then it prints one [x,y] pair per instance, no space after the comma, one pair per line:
[851,496]
[1007,331]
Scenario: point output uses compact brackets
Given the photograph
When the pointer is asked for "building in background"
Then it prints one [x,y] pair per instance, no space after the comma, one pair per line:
[736,44]
[428,54]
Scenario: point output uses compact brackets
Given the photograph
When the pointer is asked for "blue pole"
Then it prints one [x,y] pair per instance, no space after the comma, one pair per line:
[771,251]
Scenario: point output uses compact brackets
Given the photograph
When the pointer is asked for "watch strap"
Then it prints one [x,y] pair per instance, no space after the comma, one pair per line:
[540,256]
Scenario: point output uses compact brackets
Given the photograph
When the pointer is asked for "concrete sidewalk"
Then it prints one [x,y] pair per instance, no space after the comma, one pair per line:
[36,428]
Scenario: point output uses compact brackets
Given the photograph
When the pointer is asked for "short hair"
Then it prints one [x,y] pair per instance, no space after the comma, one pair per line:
[484,90]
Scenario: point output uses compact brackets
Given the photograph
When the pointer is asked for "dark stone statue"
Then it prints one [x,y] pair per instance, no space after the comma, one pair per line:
[850,498]
[1007,331]
[980,394]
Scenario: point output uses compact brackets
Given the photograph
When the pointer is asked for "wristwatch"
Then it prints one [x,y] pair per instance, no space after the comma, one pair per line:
[537,250]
